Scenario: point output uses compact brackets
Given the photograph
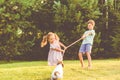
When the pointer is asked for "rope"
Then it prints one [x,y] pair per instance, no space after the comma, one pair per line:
[74,43]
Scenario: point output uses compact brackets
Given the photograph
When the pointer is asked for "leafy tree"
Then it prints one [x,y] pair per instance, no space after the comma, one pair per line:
[115,23]
[42,15]
[16,31]
[24,22]
[112,9]
[71,17]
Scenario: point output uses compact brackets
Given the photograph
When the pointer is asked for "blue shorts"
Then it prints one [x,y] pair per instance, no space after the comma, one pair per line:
[85,48]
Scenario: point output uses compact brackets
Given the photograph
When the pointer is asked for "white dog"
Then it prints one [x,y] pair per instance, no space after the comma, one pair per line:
[57,72]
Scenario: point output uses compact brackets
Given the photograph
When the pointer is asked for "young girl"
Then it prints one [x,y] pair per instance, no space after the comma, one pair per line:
[55,53]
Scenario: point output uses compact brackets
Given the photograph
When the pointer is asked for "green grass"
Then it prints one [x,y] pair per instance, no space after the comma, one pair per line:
[38,70]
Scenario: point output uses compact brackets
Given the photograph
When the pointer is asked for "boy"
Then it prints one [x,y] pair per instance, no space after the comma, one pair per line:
[87,43]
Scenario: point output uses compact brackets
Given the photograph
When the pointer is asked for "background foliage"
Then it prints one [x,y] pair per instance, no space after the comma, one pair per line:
[24,22]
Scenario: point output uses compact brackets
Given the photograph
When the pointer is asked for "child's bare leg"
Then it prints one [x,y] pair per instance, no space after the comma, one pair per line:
[89,60]
[81,59]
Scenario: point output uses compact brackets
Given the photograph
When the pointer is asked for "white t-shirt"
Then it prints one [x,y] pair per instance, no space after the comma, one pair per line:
[89,38]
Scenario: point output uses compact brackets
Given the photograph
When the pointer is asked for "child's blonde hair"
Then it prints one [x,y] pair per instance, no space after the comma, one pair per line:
[92,22]
[46,38]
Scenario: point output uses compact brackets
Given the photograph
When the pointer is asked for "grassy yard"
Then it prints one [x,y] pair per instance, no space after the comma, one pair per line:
[38,70]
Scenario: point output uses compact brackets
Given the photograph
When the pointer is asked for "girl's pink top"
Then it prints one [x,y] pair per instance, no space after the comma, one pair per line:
[53,55]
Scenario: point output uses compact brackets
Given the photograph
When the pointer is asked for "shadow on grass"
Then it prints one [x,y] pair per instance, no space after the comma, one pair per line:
[44,79]
[5,62]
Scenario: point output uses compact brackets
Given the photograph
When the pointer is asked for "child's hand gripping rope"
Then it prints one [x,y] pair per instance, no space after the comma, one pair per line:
[63,51]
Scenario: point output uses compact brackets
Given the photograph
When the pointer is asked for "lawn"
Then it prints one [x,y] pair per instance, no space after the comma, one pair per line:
[38,70]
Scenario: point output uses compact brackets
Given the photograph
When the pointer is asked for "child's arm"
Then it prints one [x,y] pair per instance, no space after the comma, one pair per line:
[58,49]
[85,35]
[55,48]
[61,44]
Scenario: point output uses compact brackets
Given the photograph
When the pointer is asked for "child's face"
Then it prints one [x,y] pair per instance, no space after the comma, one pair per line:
[51,38]
[90,26]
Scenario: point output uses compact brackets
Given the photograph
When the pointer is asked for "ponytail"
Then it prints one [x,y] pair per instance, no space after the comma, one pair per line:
[56,37]
[44,41]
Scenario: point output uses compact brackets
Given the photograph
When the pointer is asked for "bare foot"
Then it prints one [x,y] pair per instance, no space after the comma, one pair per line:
[82,67]
[89,67]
